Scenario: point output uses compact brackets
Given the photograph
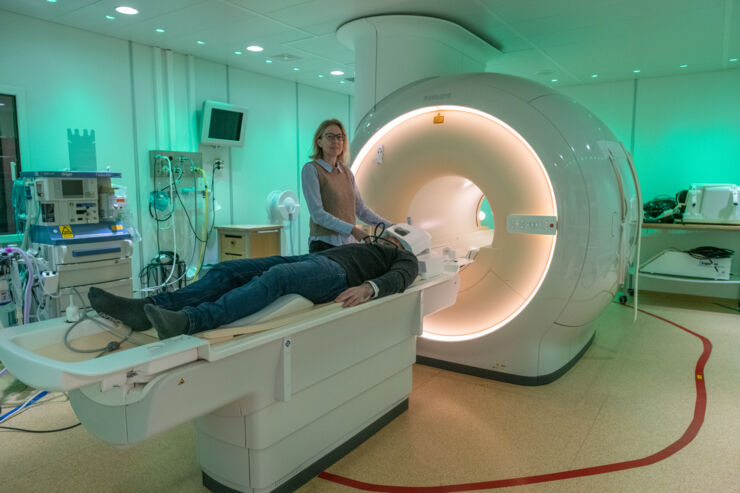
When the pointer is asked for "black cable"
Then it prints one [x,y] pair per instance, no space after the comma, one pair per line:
[12,428]
[377,235]
[108,348]
[654,208]
[710,252]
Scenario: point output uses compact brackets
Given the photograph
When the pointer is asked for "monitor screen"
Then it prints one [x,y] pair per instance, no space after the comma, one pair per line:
[224,124]
[72,188]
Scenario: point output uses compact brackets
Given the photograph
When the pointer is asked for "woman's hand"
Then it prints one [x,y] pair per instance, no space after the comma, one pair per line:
[355,295]
[359,234]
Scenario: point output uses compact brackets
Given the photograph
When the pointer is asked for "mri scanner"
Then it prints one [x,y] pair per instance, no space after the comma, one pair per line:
[277,405]
[564,197]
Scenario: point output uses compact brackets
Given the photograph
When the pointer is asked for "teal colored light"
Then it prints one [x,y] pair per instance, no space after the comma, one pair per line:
[51,1]
[636,71]
[237,53]
[159,30]
[321,76]
[110,17]
[296,69]
[683,66]
[485,208]
[593,76]
[554,80]
[201,42]
[732,59]
[268,61]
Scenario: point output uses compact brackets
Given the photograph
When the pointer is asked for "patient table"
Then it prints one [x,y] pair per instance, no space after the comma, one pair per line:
[272,408]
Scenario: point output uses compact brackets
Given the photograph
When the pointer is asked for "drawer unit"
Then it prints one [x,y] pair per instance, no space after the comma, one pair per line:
[248,241]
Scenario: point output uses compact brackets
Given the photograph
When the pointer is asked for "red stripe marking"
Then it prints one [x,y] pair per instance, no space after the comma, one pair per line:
[688,435]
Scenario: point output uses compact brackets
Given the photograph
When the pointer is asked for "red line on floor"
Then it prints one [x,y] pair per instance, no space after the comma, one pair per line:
[688,435]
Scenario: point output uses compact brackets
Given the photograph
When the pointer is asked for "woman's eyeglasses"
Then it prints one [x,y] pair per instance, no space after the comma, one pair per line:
[334,137]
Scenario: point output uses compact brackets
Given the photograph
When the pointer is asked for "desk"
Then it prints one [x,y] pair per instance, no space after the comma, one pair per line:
[661,236]
[248,241]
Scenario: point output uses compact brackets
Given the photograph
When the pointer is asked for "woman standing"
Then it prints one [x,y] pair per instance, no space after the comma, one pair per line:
[331,193]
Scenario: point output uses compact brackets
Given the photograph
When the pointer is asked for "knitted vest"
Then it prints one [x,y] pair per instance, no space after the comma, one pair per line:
[337,197]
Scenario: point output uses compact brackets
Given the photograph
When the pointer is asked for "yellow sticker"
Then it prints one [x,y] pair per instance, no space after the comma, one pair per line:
[698,377]
[117,227]
[66,231]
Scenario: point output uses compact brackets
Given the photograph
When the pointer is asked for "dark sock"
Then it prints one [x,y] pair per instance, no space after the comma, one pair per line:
[129,311]
[167,322]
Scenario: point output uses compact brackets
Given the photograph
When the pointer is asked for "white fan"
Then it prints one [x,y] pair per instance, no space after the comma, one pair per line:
[282,206]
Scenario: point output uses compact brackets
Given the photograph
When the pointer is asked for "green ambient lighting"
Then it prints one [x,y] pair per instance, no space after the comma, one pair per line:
[732,60]
[268,61]
[159,30]
[321,76]
[237,53]
[201,42]
[683,66]
[51,1]
[593,76]
[554,80]
[296,69]
[110,17]
[636,71]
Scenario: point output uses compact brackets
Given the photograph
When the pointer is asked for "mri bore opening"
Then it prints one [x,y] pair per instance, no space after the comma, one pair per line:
[438,174]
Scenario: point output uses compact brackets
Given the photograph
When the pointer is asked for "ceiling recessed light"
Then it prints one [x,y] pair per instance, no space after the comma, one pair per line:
[296,69]
[268,61]
[201,42]
[342,81]
[321,76]
[593,76]
[159,30]
[51,1]
[554,80]
[110,17]
[126,10]
[255,48]
[683,66]
[237,53]
[636,71]
[732,60]
[336,72]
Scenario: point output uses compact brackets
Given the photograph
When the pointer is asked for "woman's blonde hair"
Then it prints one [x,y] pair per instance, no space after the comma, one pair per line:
[343,158]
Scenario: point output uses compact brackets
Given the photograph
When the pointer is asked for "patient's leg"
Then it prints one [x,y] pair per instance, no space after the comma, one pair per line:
[219,280]
[313,276]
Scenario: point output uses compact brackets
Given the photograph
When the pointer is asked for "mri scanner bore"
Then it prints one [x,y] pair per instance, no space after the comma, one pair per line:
[563,197]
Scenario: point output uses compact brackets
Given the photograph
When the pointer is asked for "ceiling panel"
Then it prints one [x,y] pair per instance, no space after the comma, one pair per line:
[539,39]
[42,9]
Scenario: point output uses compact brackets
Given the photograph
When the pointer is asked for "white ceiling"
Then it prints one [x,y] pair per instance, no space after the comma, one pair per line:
[567,40]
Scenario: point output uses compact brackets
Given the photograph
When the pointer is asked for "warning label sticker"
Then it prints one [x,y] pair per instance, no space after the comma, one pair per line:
[66,231]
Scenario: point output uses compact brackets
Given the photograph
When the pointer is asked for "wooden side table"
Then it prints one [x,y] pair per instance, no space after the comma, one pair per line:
[248,241]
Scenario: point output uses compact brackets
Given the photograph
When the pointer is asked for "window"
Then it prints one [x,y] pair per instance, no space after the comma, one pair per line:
[9,153]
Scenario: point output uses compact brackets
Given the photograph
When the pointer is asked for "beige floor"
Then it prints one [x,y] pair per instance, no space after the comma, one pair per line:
[631,395]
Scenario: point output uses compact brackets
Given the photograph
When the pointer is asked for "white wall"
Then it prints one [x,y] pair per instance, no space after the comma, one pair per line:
[139,98]
[682,129]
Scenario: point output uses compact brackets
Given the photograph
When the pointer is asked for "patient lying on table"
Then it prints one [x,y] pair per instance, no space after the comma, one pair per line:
[348,274]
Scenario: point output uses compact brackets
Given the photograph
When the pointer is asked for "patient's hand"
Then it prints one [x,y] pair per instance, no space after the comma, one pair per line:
[356,295]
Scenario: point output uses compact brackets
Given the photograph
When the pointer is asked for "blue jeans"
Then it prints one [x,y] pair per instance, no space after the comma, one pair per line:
[237,288]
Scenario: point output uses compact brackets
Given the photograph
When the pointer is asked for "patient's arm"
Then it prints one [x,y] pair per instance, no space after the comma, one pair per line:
[355,295]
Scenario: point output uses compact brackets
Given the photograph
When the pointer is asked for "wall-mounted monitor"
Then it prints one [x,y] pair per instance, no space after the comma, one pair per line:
[223,124]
